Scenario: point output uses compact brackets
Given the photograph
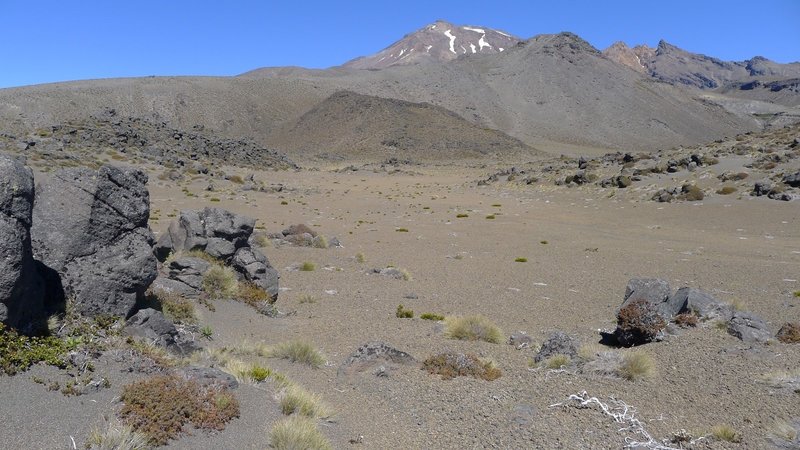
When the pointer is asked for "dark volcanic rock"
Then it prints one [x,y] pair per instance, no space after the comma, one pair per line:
[90,227]
[792,180]
[211,230]
[255,267]
[21,290]
[748,327]
[374,354]
[654,291]
[152,326]
[703,304]
[559,343]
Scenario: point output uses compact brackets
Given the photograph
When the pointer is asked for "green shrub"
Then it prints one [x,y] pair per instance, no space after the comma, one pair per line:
[19,352]
[160,407]
[308,266]
[461,216]
[451,365]
[296,400]
[726,190]
[403,313]
[431,316]
[490,217]
[220,282]
[297,433]
[401,230]
[521,260]
[258,373]
[176,308]
[473,328]
[298,351]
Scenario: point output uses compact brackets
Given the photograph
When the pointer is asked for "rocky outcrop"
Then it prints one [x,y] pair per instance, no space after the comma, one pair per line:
[21,291]
[222,235]
[702,304]
[153,327]
[749,327]
[91,235]
[559,343]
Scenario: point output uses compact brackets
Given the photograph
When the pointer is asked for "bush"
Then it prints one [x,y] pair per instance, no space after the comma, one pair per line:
[236,179]
[220,282]
[259,374]
[473,328]
[725,433]
[431,316]
[296,400]
[521,260]
[636,366]
[308,266]
[403,313]
[251,294]
[160,407]
[789,333]
[686,320]
[639,322]
[691,193]
[461,216]
[297,433]
[298,351]
[19,352]
[176,308]
[451,365]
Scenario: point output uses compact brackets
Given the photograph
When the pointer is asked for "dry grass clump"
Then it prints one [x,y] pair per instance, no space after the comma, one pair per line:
[686,320]
[521,260]
[589,352]
[296,400]
[297,433]
[403,313]
[473,328]
[691,193]
[637,366]
[308,266]
[360,258]
[298,351]
[248,292]
[726,190]
[220,282]
[727,433]
[789,333]
[556,362]
[162,405]
[784,434]
[117,437]
[451,365]
[176,307]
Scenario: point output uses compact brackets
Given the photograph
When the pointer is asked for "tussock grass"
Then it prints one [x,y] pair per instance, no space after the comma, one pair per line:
[297,433]
[220,282]
[727,433]
[431,316]
[296,400]
[521,260]
[308,266]
[782,430]
[298,351]
[306,298]
[360,258]
[557,362]
[248,292]
[590,352]
[473,328]
[637,366]
[403,313]
[177,308]
[117,437]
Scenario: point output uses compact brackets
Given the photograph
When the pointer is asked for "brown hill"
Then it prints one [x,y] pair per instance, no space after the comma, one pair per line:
[369,127]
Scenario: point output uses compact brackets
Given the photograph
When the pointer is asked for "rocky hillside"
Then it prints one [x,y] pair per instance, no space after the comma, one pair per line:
[363,126]
[440,41]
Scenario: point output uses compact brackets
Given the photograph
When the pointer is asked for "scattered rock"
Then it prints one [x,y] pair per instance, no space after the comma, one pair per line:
[21,293]
[701,303]
[559,343]
[152,326]
[90,228]
[792,180]
[520,340]
[748,327]
[761,188]
[375,354]
[391,272]
[654,291]
[208,377]
[196,230]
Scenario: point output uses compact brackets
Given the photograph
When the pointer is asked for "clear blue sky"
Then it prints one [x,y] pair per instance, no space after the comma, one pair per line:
[46,41]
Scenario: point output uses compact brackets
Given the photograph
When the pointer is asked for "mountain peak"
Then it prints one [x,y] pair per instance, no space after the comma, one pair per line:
[439,41]
[619,52]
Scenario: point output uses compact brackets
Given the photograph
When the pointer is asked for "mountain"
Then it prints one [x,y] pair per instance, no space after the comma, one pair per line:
[679,67]
[363,126]
[439,41]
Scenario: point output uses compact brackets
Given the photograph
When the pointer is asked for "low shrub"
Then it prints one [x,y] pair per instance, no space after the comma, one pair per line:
[401,230]
[360,258]
[18,352]
[556,362]
[451,365]
[298,351]
[296,433]
[691,193]
[726,190]
[686,320]
[308,266]
[461,216]
[521,260]
[639,321]
[176,308]
[789,333]
[248,292]
[431,316]
[473,328]
[162,405]
[403,313]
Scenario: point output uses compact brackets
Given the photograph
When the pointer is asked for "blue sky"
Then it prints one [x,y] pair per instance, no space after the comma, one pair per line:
[47,41]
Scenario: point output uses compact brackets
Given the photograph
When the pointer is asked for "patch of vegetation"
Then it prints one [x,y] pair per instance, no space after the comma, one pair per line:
[117,437]
[308,266]
[176,307]
[162,405]
[296,400]
[490,217]
[214,199]
[543,242]
[236,179]
[160,356]
[521,260]
[496,205]
[307,298]
[248,292]
[206,332]
[259,373]
[360,258]
[401,230]
[637,366]
[298,351]
[726,190]
[686,320]
[727,433]
[431,316]
[789,333]
[556,362]
[296,433]
[473,328]
[451,365]
[220,282]
[18,352]
[796,294]
[461,216]
[403,313]
[691,192]
[640,319]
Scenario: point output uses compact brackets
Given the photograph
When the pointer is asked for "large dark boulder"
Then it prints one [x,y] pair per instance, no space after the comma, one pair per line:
[153,327]
[749,327]
[702,304]
[90,228]
[656,292]
[21,290]
[792,179]
[254,267]
[645,311]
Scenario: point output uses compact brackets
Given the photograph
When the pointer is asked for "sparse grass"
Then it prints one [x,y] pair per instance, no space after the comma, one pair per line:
[117,437]
[297,433]
[462,216]
[637,366]
[259,373]
[284,202]
[403,313]
[159,355]
[738,304]
[406,274]
[490,217]
[726,190]
[557,362]
[521,260]
[783,431]
[176,308]
[160,407]
[220,282]
[496,205]
[589,352]
[431,316]
[236,179]
[298,351]
[308,266]
[214,199]
[360,258]
[307,298]
[796,294]
[727,433]
[451,365]
[473,328]
[296,400]
[320,241]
